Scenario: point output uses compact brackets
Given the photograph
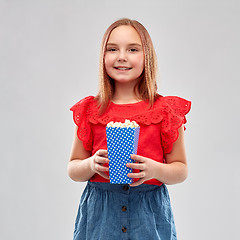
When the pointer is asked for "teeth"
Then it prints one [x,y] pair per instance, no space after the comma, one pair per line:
[123,68]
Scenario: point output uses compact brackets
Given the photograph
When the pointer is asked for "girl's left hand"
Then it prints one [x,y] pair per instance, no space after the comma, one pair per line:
[146,166]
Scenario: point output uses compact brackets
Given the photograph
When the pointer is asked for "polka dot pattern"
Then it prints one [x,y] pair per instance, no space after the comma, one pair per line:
[121,143]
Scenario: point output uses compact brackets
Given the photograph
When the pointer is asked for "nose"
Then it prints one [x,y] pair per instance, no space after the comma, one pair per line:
[122,57]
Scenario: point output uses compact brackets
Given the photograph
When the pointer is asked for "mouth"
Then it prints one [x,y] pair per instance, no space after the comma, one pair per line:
[123,68]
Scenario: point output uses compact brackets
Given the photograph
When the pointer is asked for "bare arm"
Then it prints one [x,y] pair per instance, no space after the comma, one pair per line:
[82,166]
[176,170]
[173,171]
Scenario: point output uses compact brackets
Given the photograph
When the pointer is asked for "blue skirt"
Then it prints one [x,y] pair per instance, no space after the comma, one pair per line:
[120,212]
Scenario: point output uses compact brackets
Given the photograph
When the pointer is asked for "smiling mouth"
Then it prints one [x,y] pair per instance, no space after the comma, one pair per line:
[123,68]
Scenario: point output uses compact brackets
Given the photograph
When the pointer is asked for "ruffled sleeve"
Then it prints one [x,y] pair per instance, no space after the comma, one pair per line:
[81,112]
[175,109]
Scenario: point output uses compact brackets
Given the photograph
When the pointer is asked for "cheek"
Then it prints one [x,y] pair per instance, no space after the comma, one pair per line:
[109,60]
[108,63]
[139,63]
[142,65]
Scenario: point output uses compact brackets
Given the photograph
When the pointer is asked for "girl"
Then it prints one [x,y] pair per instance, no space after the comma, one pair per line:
[128,90]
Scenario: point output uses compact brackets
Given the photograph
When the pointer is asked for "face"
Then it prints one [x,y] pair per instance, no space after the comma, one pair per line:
[124,58]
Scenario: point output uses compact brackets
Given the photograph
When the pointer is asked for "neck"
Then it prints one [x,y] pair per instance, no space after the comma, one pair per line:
[124,93]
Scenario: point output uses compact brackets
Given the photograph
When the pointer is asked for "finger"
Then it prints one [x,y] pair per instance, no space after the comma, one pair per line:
[101,160]
[102,152]
[137,158]
[137,183]
[101,168]
[103,175]
[135,166]
[136,175]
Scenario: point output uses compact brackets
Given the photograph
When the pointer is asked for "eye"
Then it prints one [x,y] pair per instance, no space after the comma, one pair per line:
[133,49]
[111,49]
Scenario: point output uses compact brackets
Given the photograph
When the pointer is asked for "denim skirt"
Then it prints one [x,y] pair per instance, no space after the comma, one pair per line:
[120,212]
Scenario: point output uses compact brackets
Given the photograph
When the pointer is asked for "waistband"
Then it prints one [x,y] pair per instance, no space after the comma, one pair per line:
[125,188]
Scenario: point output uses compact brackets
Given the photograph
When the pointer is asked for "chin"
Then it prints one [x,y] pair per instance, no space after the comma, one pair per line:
[124,80]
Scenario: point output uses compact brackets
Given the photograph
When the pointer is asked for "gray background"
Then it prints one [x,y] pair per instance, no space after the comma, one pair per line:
[49,52]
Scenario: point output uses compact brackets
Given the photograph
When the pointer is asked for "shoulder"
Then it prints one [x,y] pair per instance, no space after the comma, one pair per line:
[172,104]
[81,112]
[173,111]
[87,105]
[84,109]
[83,103]
[172,101]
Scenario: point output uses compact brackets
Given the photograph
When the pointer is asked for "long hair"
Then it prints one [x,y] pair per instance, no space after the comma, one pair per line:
[147,86]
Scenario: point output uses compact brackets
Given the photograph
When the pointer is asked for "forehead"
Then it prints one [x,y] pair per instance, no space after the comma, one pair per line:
[124,35]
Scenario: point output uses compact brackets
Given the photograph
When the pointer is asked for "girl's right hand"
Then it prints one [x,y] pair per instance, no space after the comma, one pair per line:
[97,161]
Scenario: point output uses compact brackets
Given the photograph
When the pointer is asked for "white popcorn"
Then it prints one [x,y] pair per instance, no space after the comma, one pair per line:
[126,124]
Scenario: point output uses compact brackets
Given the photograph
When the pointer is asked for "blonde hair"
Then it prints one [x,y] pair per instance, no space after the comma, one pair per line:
[147,87]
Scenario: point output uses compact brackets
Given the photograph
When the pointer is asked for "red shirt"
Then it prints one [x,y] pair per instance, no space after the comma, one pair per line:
[158,125]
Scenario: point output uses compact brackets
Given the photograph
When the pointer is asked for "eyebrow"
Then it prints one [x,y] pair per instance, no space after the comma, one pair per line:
[131,44]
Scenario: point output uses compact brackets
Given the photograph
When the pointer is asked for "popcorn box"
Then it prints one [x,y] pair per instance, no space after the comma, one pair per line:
[121,143]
